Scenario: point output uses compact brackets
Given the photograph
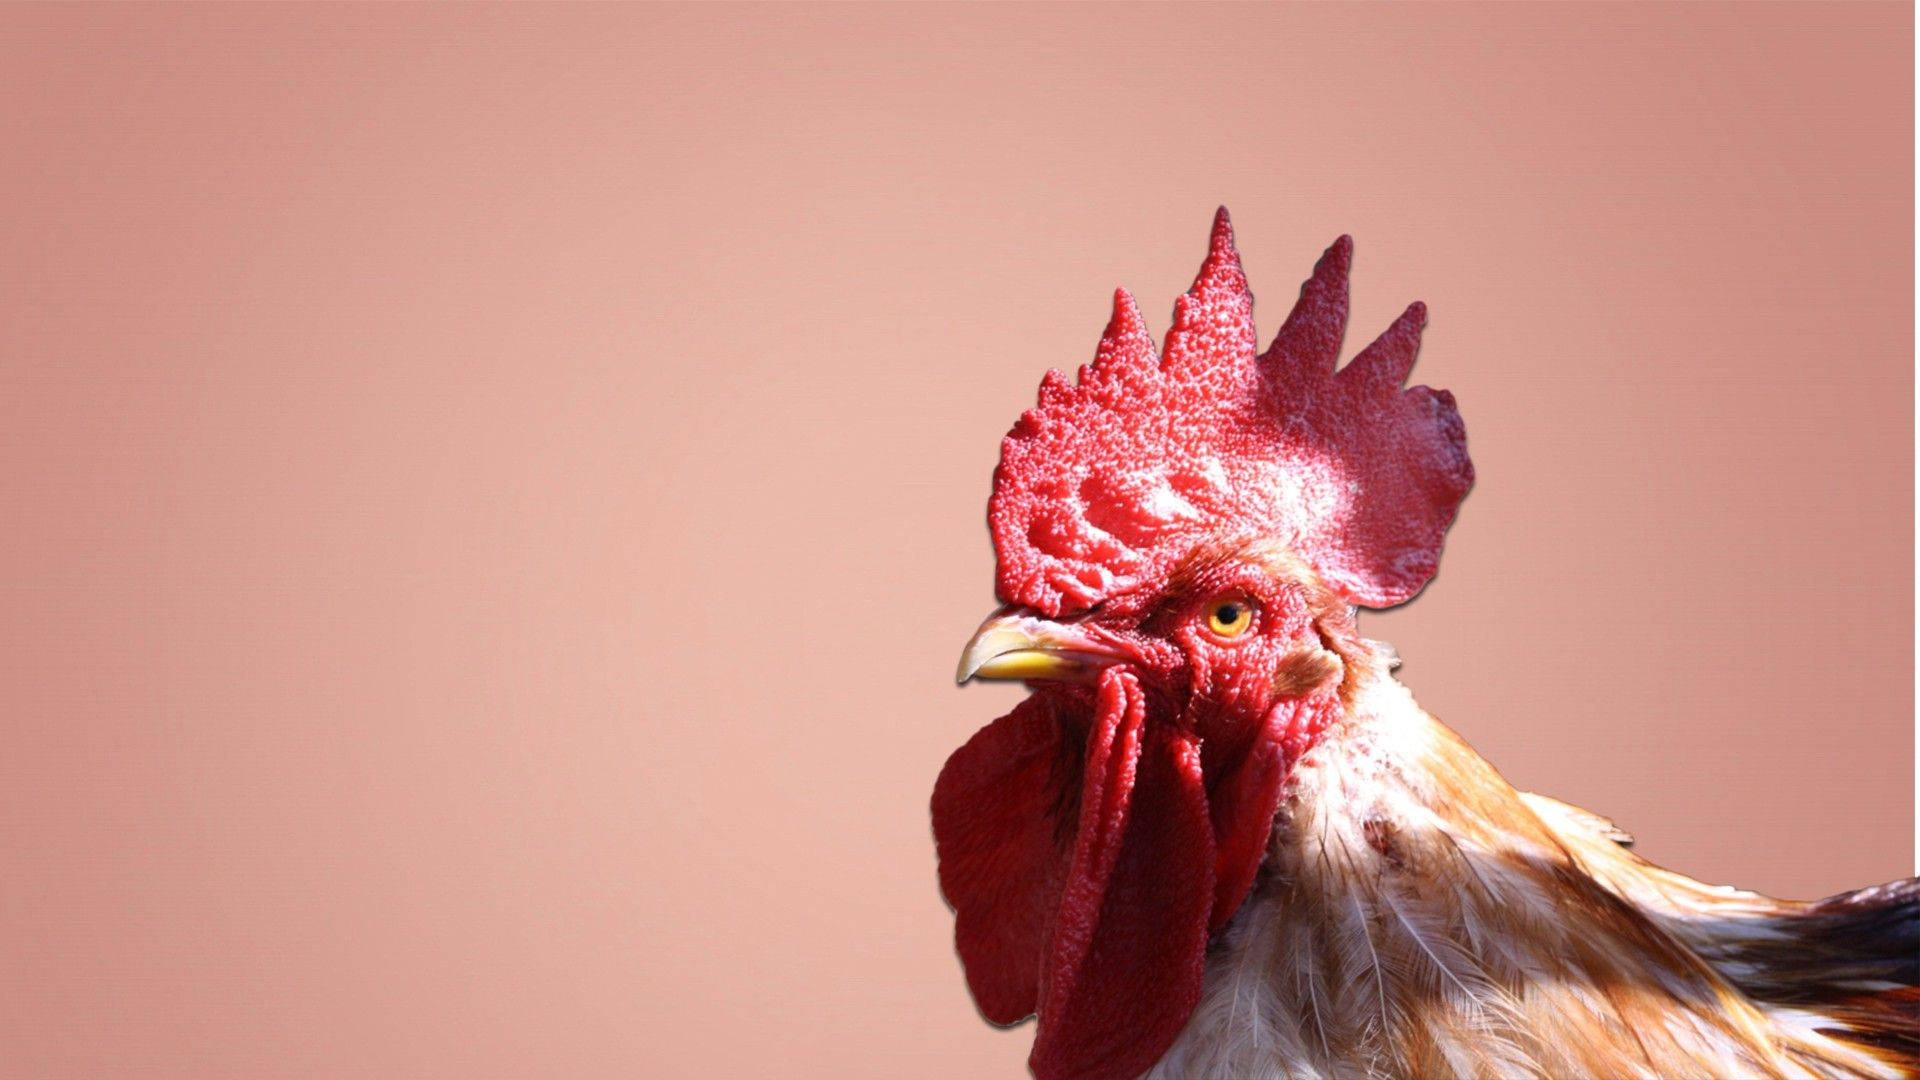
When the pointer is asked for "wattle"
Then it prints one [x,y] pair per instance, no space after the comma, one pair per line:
[1086,876]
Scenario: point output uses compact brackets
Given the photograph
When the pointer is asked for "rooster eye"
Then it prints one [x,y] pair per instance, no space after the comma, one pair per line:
[1230,618]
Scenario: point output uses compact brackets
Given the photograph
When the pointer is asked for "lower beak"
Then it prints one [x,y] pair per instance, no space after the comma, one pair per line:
[1025,647]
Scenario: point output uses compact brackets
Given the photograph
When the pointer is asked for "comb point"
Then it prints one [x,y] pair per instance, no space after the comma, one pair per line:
[1125,320]
[1222,229]
[1221,268]
[1389,359]
[1311,336]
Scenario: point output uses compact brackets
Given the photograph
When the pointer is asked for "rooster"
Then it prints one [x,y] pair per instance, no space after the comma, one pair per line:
[1218,839]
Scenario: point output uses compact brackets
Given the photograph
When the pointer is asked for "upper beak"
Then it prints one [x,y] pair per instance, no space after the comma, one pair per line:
[1025,647]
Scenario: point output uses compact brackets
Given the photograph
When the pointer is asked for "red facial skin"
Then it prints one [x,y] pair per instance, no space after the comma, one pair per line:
[1092,839]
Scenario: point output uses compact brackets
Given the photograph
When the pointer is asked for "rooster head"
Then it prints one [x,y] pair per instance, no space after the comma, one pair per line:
[1181,535]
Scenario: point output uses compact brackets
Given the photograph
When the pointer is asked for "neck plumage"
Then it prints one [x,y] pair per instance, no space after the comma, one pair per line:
[1416,916]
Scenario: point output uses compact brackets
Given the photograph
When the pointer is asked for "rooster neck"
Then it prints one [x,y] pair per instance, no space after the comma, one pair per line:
[1417,916]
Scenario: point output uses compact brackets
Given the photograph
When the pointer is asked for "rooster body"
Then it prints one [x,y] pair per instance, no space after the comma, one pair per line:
[1218,838]
[1417,916]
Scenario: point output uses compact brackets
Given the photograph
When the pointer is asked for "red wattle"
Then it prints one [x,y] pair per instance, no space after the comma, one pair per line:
[1128,952]
[1002,824]
[1082,875]
[1241,805]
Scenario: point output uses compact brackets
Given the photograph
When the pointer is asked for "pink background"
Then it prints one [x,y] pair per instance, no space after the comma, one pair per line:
[492,497]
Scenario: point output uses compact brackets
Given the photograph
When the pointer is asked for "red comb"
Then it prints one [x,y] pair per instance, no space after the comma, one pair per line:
[1110,480]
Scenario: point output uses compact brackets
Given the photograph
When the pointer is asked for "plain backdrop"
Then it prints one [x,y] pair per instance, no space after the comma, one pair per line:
[490,498]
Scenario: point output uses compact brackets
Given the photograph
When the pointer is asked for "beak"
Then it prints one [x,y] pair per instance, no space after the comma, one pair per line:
[1024,647]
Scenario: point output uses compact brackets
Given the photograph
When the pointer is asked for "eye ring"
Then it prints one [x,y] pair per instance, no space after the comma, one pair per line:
[1230,617]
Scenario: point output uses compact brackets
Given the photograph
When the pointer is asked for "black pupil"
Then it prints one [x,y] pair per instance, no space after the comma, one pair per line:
[1228,614]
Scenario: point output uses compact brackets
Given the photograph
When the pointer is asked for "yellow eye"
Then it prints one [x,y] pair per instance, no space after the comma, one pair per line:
[1230,618]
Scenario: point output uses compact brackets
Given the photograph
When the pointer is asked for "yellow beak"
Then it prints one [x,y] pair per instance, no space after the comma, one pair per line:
[1025,647]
